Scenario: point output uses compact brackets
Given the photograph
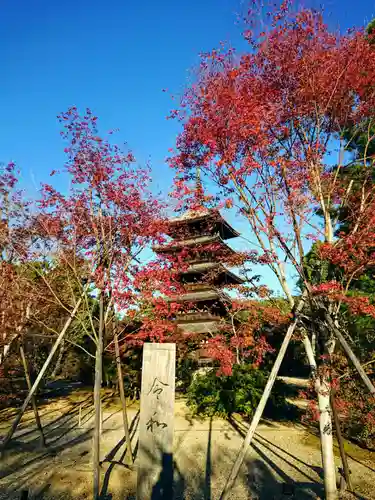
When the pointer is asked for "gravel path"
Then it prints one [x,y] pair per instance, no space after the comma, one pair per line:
[284,459]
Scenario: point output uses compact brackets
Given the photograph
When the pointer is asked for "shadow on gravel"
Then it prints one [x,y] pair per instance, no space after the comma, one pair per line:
[262,483]
[259,475]
[111,455]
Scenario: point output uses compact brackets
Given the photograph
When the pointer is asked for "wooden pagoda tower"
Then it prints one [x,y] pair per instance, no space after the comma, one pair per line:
[201,235]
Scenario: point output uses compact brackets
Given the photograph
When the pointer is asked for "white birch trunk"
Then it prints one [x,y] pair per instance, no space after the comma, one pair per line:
[309,353]
[323,390]
[6,348]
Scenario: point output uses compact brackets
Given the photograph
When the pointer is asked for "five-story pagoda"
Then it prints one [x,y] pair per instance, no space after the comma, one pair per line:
[198,237]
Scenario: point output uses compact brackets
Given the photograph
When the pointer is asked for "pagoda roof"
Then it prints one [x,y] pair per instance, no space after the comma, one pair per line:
[201,296]
[191,217]
[199,326]
[192,242]
[220,269]
[197,317]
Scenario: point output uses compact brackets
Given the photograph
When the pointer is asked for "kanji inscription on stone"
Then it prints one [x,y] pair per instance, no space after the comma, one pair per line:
[156,419]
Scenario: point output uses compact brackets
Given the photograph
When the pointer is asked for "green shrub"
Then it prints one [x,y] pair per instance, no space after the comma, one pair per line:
[185,368]
[240,392]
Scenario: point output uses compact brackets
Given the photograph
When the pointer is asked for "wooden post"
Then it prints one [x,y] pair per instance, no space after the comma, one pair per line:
[351,355]
[123,399]
[97,405]
[340,440]
[262,403]
[32,391]
[101,418]
[155,470]
[33,399]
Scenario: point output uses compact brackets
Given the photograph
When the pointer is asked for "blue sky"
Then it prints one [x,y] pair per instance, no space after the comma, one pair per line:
[115,57]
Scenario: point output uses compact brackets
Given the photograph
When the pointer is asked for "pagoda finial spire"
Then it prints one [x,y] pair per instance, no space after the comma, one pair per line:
[198,185]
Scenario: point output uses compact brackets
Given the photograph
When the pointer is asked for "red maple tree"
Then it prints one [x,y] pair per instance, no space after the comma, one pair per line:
[14,246]
[100,230]
[264,127]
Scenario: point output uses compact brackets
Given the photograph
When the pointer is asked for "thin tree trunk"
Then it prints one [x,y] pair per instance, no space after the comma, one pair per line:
[262,403]
[6,348]
[47,362]
[8,345]
[58,362]
[101,419]
[313,343]
[323,390]
[309,352]
[340,440]
[123,399]
[97,405]
[33,399]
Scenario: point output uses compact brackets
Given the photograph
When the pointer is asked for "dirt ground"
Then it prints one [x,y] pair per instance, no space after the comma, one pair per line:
[283,462]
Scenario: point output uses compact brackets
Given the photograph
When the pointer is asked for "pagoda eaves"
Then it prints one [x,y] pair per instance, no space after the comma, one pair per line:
[216,269]
[195,217]
[176,245]
[203,233]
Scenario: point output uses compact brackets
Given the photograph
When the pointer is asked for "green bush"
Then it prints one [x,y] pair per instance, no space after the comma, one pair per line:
[240,392]
[185,368]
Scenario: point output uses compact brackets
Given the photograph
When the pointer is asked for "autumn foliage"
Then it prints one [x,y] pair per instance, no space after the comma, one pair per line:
[273,129]
[261,126]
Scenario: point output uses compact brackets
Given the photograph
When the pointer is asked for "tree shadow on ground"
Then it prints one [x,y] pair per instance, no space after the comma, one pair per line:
[303,490]
[50,393]
[262,484]
[39,462]
[272,447]
[54,430]
[111,455]
[45,394]
[24,467]
[26,455]
[263,478]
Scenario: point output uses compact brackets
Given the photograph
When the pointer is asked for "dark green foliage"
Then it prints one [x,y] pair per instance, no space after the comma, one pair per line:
[318,270]
[132,371]
[210,394]
[371,27]
[109,371]
[185,368]
[295,363]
